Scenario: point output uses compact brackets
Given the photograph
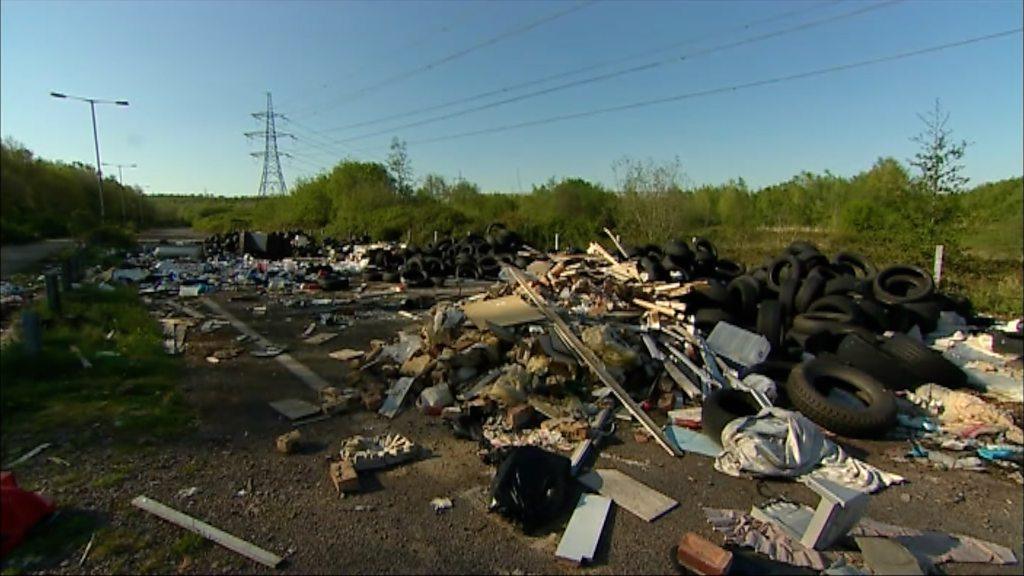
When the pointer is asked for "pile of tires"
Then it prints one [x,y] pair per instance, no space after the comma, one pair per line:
[838,310]
[472,256]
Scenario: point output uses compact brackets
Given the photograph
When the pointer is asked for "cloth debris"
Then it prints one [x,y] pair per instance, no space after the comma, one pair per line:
[781,443]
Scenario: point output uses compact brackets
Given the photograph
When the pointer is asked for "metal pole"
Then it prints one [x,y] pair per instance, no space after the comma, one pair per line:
[120,182]
[99,168]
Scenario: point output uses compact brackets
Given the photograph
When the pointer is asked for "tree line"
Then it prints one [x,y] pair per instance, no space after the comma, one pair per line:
[41,198]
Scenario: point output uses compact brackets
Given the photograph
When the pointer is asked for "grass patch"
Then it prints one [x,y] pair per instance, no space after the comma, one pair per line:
[63,534]
[189,545]
[127,396]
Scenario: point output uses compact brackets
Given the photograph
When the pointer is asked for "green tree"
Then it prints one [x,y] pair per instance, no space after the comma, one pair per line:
[938,159]
[400,167]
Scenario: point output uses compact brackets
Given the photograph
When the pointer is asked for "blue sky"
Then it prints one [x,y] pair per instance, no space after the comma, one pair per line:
[193,71]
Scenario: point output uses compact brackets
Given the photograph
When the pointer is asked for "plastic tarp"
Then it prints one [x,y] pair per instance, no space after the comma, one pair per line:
[20,510]
[781,443]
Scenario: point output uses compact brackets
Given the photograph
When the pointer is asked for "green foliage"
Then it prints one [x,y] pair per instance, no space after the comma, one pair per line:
[44,199]
[123,396]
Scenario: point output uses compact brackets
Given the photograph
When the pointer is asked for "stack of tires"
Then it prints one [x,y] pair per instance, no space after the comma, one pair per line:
[473,256]
[837,310]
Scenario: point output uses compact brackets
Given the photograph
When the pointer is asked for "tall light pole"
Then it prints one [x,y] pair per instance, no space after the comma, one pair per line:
[95,138]
[120,180]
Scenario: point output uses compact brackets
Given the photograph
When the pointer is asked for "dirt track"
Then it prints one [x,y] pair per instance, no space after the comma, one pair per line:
[289,503]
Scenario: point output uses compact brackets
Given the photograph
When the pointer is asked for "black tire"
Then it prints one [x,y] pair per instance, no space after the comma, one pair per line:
[706,318]
[744,293]
[787,295]
[669,263]
[655,271]
[814,322]
[808,386]
[391,277]
[840,305]
[723,406]
[714,294]
[865,355]
[769,322]
[374,276]
[852,263]
[810,290]
[848,285]
[902,284]
[727,269]
[704,245]
[704,263]
[679,249]
[923,362]
[925,314]
[875,315]
[780,269]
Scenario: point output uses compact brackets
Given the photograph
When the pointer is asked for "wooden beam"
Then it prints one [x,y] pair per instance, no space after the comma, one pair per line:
[217,535]
[592,361]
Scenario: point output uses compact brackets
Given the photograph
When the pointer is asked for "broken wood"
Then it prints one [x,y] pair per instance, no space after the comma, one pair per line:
[645,502]
[591,360]
[217,535]
[582,451]
[579,541]
[505,311]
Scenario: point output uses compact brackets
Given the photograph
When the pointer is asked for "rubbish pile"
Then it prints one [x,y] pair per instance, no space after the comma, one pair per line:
[759,369]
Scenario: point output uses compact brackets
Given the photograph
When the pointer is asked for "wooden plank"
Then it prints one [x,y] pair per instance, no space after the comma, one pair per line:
[217,535]
[582,534]
[667,311]
[295,409]
[681,380]
[579,455]
[504,311]
[645,502]
[591,360]
[393,403]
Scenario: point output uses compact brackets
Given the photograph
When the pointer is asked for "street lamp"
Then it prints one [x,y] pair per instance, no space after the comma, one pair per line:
[95,138]
[120,180]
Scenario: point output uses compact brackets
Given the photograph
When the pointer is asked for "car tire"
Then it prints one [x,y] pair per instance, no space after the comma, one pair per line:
[807,388]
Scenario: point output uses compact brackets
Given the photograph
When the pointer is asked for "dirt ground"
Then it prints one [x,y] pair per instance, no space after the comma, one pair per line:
[287,504]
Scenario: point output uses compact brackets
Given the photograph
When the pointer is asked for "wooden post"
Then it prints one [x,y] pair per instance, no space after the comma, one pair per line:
[31,331]
[937,273]
[52,292]
[556,241]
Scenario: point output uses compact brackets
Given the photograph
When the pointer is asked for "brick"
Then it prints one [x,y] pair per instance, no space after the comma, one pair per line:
[702,556]
[344,476]
[286,442]
[517,417]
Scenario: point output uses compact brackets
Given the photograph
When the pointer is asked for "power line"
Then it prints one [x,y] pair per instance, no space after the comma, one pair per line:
[732,88]
[575,71]
[420,40]
[622,72]
[459,53]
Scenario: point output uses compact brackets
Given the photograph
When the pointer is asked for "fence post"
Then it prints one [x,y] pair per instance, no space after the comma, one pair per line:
[32,333]
[556,241]
[937,270]
[52,292]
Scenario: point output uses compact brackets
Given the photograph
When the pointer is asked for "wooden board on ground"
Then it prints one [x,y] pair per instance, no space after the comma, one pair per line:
[639,499]
[347,354]
[579,541]
[396,395]
[504,311]
[217,535]
[320,338]
[295,409]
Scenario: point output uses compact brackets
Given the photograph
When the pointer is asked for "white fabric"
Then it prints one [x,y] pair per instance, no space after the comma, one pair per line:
[781,443]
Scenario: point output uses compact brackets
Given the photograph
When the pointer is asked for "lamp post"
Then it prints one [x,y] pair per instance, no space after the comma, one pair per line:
[120,180]
[95,137]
